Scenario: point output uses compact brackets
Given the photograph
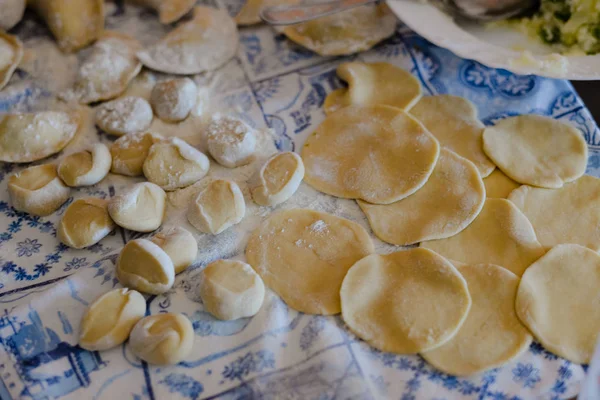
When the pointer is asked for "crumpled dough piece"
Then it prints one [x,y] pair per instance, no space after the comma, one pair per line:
[378,154]
[85,223]
[558,301]
[500,235]
[144,266]
[217,207]
[130,151]
[140,209]
[303,255]
[447,203]
[173,99]
[173,164]
[169,11]
[404,302]
[566,215]
[537,151]
[32,136]
[499,185]
[249,14]
[374,83]
[346,32]
[124,116]
[12,13]
[204,43]
[278,179]
[87,167]
[179,244]
[492,335]
[453,121]
[37,190]
[11,54]
[231,141]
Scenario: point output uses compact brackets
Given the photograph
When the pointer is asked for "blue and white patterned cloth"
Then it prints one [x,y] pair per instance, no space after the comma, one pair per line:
[280,353]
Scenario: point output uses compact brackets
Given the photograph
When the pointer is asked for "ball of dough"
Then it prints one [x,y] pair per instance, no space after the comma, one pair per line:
[124,116]
[231,141]
[231,290]
[110,318]
[87,167]
[217,207]
[179,244]
[37,190]
[174,164]
[162,339]
[144,266]
[130,151]
[141,208]
[85,223]
[278,179]
[173,99]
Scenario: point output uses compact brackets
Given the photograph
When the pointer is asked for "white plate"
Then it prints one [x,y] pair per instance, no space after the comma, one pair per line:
[494,47]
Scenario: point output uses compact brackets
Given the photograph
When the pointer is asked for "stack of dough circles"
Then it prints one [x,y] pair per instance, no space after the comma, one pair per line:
[231,141]
[144,266]
[566,215]
[124,116]
[174,164]
[500,235]
[179,244]
[498,185]
[537,151]
[110,318]
[378,154]
[85,223]
[37,190]
[558,301]
[217,207]
[278,179]
[453,121]
[444,206]
[372,84]
[231,290]
[87,167]
[404,302]
[303,255]
[130,151]
[492,335]
[141,208]
[11,53]
[173,99]
[169,11]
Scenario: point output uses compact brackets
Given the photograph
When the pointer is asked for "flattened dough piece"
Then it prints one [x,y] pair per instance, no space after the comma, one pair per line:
[124,116]
[217,207]
[570,214]
[250,12]
[537,151]
[303,255]
[204,43]
[130,151]
[444,206]
[500,235]
[492,334]
[141,208]
[498,185]
[87,167]
[231,141]
[144,266]
[37,190]
[12,13]
[404,302]
[346,32]
[558,301]
[378,154]
[278,179]
[11,53]
[372,84]
[169,11]
[85,223]
[453,121]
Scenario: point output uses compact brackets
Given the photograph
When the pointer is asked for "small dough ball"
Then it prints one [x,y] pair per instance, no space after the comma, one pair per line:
[217,207]
[162,339]
[85,223]
[174,164]
[279,179]
[144,266]
[179,244]
[124,116]
[498,185]
[173,99]
[140,209]
[85,168]
[231,290]
[130,151]
[231,141]
[37,190]
[110,318]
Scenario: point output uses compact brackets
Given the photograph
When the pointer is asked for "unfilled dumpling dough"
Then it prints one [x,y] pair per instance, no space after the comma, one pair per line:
[179,244]
[499,185]
[141,208]
[124,116]
[444,206]
[11,53]
[303,255]
[173,99]
[144,266]
[404,302]
[378,154]
[231,141]
[130,151]
[217,207]
[278,179]
[85,223]
[537,151]
[37,190]
[85,168]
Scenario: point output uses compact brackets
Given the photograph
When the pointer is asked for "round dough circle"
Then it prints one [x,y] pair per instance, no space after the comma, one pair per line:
[141,208]
[144,266]
[130,151]
[498,185]
[404,302]
[303,255]
[173,99]
[377,153]
[231,141]
[179,244]
[85,223]
[217,207]
[37,190]
[85,168]
[278,179]
[124,116]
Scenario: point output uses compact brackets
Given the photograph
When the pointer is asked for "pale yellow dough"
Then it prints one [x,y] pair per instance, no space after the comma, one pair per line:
[124,116]
[87,167]
[85,223]
[217,207]
[378,154]
[179,244]
[11,53]
[558,301]
[537,151]
[249,14]
[173,99]
[141,208]
[12,13]
[37,190]
[303,255]
[130,151]
[404,302]
[144,266]
[500,235]
[231,141]
[498,185]
[492,334]
[278,179]
[444,206]
[169,11]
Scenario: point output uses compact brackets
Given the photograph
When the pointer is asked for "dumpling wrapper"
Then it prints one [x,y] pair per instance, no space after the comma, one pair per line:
[11,53]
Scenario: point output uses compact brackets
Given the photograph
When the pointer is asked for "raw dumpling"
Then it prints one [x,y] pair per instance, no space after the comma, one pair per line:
[85,223]
[124,116]
[11,53]
[130,151]
[278,179]
[217,207]
[144,266]
[231,141]
[12,13]
[173,99]
[249,14]
[168,10]
[85,168]
[37,190]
